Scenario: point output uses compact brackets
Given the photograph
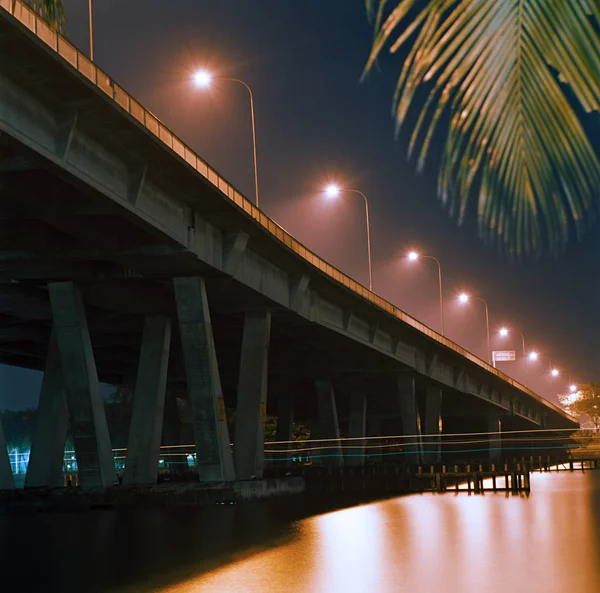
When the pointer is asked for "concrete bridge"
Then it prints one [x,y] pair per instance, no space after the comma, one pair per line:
[126,259]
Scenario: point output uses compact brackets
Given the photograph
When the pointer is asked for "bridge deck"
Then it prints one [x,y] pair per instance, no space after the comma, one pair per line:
[95,188]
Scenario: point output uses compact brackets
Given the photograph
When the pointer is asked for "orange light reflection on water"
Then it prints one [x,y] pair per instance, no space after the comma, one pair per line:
[547,543]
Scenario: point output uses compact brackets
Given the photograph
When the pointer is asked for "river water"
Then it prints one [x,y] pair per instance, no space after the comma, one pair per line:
[548,542]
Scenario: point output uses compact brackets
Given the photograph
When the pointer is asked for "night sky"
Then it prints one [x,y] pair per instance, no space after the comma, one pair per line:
[315,122]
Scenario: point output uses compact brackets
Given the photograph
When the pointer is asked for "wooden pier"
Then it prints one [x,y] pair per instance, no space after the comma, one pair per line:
[504,477]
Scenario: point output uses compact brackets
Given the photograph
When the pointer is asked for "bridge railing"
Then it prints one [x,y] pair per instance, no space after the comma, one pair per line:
[125,101]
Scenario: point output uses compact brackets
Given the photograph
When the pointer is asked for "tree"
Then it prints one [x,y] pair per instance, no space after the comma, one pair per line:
[50,10]
[508,83]
[586,402]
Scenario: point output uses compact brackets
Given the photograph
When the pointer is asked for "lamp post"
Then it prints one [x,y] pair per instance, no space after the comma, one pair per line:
[464,298]
[91,17]
[414,256]
[504,332]
[333,191]
[203,79]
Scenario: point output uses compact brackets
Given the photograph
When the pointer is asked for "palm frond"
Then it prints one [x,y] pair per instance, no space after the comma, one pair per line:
[50,10]
[496,69]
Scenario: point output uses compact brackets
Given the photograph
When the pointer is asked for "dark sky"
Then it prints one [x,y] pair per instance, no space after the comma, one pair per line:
[316,121]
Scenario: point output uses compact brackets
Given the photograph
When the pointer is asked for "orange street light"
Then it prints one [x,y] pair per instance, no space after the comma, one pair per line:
[464,298]
[203,79]
[333,191]
[504,332]
[414,256]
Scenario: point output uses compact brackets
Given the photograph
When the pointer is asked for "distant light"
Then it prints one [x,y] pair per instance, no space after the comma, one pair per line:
[572,388]
[332,190]
[503,332]
[533,355]
[463,297]
[555,372]
[202,78]
[413,256]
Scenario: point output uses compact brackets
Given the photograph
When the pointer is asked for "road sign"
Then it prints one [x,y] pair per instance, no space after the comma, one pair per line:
[503,355]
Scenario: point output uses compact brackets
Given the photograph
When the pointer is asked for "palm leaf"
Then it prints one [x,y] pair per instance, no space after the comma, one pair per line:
[50,10]
[498,70]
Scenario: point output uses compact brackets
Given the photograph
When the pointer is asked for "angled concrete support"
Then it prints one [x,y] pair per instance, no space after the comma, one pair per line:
[357,424]
[328,425]
[213,450]
[51,424]
[250,417]
[495,438]
[284,430]
[432,451]
[145,431]
[90,432]
[7,480]
[411,422]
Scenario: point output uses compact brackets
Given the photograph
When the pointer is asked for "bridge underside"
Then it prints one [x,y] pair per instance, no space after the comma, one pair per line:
[122,263]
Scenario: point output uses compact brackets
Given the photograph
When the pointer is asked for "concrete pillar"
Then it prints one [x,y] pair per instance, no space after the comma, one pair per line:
[172,435]
[357,424]
[411,422]
[284,430]
[145,431]
[93,452]
[374,430]
[51,425]
[433,425]
[495,438]
[213,450]
[7,480]
[315,435]
[329,427]
[251,414]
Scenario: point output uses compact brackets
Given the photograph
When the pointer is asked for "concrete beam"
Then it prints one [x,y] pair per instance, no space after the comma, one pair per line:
[248,452]
[433,425]
[234,246]
[213,451]
[141,466]
[285,426]
[357,424]
[329,427]
[90,432]
[411,421]
[51,425]
[7,480]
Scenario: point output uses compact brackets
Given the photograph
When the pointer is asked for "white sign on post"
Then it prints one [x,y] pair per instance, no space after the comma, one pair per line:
[503,356]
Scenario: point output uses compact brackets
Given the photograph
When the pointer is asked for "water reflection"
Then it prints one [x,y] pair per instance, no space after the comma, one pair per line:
[545,543]
[453,543]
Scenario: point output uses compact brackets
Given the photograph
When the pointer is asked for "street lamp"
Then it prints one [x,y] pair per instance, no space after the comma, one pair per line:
[90,13]
[333,191]
[504,332]
[464,298]
[203,79]
[414,256]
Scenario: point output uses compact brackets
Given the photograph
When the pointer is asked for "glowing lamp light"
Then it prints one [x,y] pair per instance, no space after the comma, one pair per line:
[202,78]
[503,332]
[533,356]
[332,190]
[572,388]
[413,256]
[463,298]
[555,372]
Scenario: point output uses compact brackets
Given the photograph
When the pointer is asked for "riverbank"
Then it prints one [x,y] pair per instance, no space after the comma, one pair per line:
[157,496]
